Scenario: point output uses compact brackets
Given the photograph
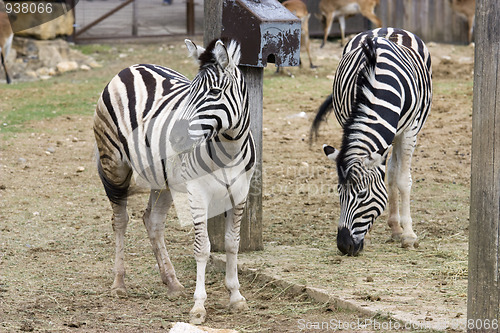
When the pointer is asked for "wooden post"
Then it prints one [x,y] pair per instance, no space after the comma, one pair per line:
[212,25]
[251,225]
[190,17]
[134,19]
[484,230]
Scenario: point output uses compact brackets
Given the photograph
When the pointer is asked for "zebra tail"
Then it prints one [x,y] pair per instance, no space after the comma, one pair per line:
[323,111]
[117,194]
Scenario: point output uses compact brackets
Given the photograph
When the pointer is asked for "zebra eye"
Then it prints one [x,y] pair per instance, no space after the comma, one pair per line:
[362,193]
[214,92]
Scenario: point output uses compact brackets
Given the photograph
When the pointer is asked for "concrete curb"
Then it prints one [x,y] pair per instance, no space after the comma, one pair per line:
[323,296]
[317,294]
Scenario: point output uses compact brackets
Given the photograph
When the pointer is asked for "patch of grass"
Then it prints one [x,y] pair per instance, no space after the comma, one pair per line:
[452,87]
[91,49]
[278,88]
[34,101]
[77,93]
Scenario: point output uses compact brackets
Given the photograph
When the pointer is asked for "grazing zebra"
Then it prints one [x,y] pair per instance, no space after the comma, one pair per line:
[382,94]
[179,135]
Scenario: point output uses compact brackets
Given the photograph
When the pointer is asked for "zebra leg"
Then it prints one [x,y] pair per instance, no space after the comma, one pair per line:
[232,243]
[115,177]
[393,193]
[404,181]
[201,253]
[154,220]
[119,222]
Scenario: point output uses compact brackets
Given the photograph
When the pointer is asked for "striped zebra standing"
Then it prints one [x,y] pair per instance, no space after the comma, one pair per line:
[382,94]
[179,135]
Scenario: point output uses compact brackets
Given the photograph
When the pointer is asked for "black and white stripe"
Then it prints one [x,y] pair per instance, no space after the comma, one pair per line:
[178,135]
[382,93]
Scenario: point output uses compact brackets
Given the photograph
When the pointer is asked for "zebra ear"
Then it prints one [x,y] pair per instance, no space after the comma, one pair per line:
[377,158]
[194,50]
[331,152]
[221,54]
[227,56]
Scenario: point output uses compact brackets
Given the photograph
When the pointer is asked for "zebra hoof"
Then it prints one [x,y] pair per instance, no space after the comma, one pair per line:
[197,315]
[238,306]
[175,292]
[396,237]
[409,243]
[119,292]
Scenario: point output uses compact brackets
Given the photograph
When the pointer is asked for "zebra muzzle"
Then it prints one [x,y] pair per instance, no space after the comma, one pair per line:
[346,243]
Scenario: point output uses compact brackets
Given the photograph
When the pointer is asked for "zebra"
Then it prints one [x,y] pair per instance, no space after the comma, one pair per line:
[179,135]
[382,92]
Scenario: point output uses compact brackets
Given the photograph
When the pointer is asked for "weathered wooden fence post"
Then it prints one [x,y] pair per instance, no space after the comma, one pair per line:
[484,231]
[265,30]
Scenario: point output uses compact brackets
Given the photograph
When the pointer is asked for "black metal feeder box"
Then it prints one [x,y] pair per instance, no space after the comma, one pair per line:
[266,30]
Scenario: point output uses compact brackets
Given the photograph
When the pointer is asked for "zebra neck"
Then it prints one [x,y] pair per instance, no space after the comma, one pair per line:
[358,153]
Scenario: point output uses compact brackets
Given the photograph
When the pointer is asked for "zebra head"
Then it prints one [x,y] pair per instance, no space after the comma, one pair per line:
[363,197]
[217,103]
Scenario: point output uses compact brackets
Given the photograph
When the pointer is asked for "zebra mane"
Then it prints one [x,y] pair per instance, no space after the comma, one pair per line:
[346,158]
[208,58]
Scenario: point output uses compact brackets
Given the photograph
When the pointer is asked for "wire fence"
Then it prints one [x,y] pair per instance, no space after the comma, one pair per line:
[96,19]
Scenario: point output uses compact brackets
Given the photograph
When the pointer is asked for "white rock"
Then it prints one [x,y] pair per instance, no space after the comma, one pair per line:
[188,328]
[94,64]
[67,66]
[42,71]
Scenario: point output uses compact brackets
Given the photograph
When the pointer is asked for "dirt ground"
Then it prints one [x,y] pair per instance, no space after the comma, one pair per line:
[57,245]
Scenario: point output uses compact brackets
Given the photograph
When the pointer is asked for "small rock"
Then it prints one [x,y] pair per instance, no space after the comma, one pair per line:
[42,71]
[80,169]
[21,160]
[373,298]
[67,66]
[85,67]
[188,328]
[369,279]
[51,150]
[94,64]
[31,74]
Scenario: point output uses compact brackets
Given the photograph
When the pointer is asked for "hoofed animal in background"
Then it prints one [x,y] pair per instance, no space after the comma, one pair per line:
[6,36]
[466,8]
[299,9]
[331,9]
[179,135]
[382,94]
